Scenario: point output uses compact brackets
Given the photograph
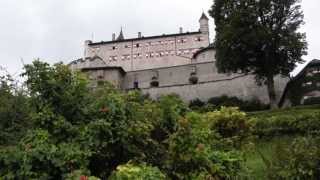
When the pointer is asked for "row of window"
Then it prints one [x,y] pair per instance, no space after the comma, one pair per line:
[312,71]
[153,54]
[310,83]
[156,43]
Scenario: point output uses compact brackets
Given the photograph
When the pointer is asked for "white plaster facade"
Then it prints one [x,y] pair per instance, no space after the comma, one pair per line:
[171,60]
[149,52]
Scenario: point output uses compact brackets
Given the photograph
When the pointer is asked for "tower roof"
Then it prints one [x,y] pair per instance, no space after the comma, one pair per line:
[120,37]
[204,16]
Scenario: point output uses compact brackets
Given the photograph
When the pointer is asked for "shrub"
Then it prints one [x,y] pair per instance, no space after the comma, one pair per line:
[248,105]
[172,108]
[299,161]
[193,152]
[140,171]
[287,123]
[230,123]
[196,104]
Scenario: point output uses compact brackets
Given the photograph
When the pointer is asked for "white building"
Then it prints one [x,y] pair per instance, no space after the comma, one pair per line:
[181,63]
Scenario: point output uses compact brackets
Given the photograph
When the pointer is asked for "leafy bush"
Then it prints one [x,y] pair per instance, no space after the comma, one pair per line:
[193,153]
[141,171]
[231,124]
[38,157]
[76,132]
[14,111]
[298,161]
[288,123]
[172,109]
[250,105]
[196,104]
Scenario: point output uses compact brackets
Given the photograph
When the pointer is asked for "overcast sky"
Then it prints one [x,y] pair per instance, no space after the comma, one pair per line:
[55,30]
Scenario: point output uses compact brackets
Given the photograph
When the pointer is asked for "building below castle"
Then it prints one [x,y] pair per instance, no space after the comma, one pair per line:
[182,63]
[304,88]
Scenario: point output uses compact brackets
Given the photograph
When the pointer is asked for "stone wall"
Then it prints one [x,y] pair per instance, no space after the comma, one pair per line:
[210,83]
[243,87]
[113,75]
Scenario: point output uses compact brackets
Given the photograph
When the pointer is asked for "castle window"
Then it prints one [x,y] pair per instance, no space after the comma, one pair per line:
[193,79]
[124,57]
[198,39]
[155,79]
[113,58]
[114,48]
[137,45]
[136,85]
[182,40]
[193,70]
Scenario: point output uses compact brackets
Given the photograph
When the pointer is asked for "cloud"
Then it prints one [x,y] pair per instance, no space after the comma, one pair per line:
[55,30]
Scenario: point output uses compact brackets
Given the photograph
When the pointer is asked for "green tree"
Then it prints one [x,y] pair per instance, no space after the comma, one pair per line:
[260,37]
[14,111]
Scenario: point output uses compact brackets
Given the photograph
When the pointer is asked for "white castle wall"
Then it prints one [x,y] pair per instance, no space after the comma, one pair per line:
[148,53]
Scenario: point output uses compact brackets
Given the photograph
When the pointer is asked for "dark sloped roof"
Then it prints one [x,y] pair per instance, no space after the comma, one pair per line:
[103,68]
[202,50]
[315,62]
[86,59]
[144,38]
[121,36]
[204,16]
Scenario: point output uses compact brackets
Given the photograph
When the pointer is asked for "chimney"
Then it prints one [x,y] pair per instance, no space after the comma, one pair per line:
[181,30]
[113,36]
[139,35]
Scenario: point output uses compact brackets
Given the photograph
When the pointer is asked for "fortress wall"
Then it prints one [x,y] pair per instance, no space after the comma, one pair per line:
[242,87]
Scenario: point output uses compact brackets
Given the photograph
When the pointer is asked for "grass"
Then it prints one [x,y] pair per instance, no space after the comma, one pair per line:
[266,148]
[293,110]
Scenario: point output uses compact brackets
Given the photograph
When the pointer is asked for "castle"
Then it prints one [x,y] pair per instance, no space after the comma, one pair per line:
[182,63]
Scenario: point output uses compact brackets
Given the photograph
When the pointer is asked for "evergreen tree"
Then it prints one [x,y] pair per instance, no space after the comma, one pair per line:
[260,37]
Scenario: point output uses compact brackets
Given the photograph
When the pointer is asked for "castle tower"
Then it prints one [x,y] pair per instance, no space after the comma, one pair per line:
[86,49]
[204,24]
[121,36]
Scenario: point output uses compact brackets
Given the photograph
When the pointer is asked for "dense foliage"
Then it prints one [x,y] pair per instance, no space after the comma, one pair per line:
[130,171]
[215,103]
[64,130]
[298,160]
[77,132]
[260,37]
[287,122]
[14,111]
